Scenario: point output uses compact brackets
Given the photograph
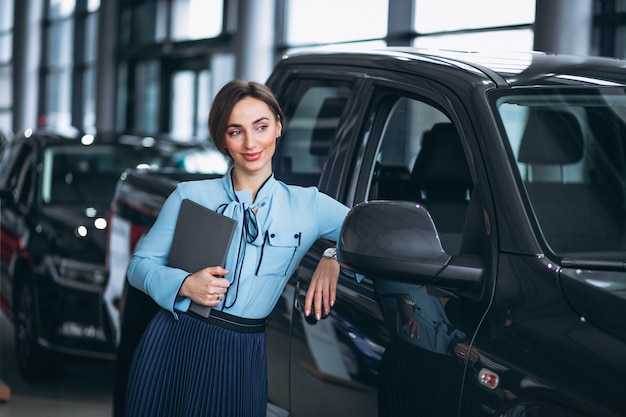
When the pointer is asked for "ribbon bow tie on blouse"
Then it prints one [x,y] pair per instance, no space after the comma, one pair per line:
[245,215]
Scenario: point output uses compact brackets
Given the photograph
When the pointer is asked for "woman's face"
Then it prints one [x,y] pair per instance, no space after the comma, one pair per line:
[251,136]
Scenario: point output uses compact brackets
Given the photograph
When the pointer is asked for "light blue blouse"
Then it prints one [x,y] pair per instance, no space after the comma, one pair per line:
[266,248]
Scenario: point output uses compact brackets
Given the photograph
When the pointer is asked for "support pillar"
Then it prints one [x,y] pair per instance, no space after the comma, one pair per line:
[255,39]
[563,26]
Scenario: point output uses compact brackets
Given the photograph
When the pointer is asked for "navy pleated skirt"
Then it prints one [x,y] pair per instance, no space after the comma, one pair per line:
[192,367]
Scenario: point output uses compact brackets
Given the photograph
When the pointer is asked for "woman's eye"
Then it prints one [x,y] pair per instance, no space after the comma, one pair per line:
[262,127]
[234,132]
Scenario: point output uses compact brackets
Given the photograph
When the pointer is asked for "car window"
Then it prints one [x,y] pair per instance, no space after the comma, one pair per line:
[10,157]
[312,121]
[15,166]
[570,152]
[25,183]
[77,174]
[420,158]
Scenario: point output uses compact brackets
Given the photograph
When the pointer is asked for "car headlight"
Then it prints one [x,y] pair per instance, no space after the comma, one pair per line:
[77,274]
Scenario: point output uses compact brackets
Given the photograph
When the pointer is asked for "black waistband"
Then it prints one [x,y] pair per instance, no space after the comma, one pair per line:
[228,321]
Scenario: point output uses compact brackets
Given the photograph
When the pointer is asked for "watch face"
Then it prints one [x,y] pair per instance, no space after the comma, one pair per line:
[330,253]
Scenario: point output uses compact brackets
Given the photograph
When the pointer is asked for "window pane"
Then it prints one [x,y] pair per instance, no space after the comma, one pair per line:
[5,123]
[149,22]
[147,97]
[182,106]
[190,105]
[60,41]
[620,42]
[196,19]
[463,14]
[305,20]
[6,15]
[6,47]
[62,8]
[511,40]
[58,90]
[93,5]
[89,100]
[6,86]
[91,33]
[204,99]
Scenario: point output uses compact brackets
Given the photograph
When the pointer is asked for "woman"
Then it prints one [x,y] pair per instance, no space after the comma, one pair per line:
[187,365]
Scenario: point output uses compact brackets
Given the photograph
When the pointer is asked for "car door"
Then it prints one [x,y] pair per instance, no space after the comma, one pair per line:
[421,149]
[388,346]
[314,106]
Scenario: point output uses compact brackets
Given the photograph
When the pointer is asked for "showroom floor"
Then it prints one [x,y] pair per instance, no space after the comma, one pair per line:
[85,390]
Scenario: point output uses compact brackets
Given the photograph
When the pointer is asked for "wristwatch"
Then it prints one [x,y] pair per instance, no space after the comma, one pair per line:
[330,253]
[410,302]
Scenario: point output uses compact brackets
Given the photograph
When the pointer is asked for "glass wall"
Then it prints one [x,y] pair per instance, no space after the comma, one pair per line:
[172,56]
[465,28]
[58,61]
[165,34]
[69,64]
[456,24]
[147,93]
[609,28]
[180,51]
[324,22]
[196,19]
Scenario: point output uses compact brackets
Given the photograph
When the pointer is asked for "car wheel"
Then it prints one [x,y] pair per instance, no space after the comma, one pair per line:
[34,362]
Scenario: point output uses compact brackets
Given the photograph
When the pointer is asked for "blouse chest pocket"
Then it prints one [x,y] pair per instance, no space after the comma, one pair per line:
[278,253]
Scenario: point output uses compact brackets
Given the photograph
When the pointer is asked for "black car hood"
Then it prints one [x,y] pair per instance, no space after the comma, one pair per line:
[72,231]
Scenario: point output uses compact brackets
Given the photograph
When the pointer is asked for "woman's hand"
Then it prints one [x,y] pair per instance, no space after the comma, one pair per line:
[206,287]
[409,323]
[323,288]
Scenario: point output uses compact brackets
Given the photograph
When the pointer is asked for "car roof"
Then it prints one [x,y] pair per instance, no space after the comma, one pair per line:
[504,69]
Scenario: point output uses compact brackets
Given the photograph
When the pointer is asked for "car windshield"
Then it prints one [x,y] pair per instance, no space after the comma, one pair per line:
[78,174]
[569,146]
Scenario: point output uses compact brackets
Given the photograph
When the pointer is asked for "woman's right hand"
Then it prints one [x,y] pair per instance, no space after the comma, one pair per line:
[206,287]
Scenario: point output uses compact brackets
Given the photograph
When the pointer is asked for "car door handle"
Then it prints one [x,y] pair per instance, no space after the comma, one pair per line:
[299,305]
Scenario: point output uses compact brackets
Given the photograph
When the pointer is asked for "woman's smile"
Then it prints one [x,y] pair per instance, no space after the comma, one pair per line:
[252,156]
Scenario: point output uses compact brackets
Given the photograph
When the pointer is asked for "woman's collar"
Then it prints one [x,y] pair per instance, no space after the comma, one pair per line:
[245,196]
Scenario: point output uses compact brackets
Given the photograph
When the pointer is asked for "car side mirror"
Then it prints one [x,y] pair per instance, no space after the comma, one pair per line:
[398,240]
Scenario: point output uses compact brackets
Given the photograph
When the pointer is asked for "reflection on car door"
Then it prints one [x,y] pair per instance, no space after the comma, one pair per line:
[389,348]
[420,157]
[334,362]
[312,119]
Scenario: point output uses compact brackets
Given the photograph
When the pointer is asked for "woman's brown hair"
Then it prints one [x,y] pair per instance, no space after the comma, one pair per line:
[225,101]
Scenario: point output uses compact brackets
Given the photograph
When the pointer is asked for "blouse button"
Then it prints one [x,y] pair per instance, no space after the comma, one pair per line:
[295,236]
[272,235]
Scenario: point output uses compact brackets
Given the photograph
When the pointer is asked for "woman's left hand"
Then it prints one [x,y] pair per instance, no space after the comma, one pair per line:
[323,288]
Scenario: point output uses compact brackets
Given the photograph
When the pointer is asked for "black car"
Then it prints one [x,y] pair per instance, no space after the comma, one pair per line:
[489,220]
[488,196]
[55,191]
